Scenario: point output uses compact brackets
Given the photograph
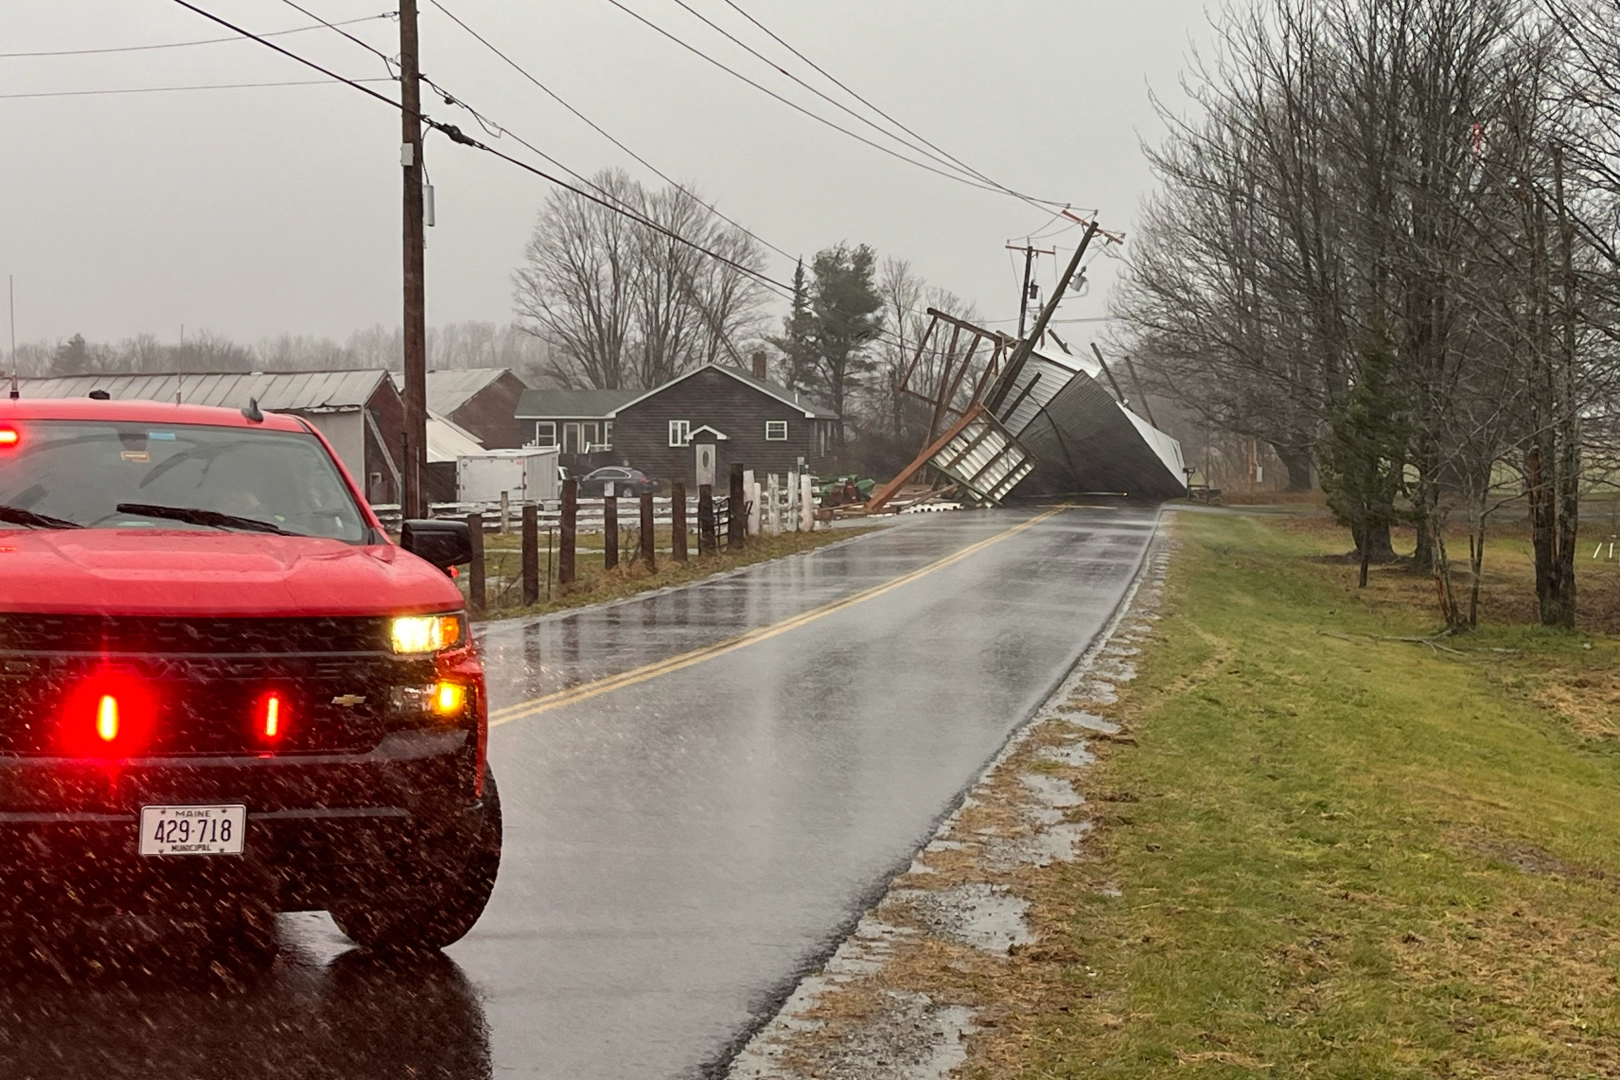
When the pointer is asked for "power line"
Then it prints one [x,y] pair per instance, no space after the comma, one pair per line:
[941,153]
[173,89]
[330,74]
[801,109]
[456,135]
[338,27]
[602,131]
[186,44]
[834,102]
[1032,199]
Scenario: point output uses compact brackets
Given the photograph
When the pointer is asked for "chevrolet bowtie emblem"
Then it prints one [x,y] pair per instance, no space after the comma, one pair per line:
[349,701]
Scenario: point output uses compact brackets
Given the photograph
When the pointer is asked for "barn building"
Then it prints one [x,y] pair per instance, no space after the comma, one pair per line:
[479,401]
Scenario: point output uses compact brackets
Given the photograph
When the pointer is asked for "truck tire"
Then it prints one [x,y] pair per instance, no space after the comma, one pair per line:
[432,896]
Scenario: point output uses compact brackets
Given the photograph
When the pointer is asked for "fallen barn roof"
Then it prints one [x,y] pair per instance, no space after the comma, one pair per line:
[1055,427]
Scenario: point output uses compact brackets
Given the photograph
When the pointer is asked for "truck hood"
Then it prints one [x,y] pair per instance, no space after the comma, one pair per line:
[186,573]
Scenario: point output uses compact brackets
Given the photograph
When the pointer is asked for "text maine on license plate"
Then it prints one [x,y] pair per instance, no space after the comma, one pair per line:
[192,830]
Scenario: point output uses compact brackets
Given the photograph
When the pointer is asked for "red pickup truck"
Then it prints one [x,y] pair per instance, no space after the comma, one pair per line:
[223,689]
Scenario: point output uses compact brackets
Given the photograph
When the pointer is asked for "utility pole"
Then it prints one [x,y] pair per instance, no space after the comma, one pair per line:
[1020,355]
[414,503]
[11,300]
[1025,297]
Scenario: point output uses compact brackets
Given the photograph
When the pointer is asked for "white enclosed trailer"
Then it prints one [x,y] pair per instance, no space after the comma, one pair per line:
[526,474]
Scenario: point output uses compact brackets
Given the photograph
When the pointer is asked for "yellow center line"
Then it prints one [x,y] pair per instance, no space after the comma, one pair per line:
[525,709]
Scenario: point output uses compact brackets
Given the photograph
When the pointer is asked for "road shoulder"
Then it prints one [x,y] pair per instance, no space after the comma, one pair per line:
[903,995]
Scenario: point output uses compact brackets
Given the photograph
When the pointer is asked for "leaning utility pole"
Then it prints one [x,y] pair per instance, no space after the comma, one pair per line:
[413,500]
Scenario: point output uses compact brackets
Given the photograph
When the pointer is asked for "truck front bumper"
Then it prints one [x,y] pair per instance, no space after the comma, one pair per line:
[68,827]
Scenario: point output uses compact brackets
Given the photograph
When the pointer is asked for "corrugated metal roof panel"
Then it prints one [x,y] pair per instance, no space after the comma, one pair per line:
[448,389]
[447,440]
[1084,440]
[279,391]
[984,458]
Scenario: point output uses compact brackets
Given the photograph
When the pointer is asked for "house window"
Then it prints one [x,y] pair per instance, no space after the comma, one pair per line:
[571,439]
[776,431]
[545,433]
[607,435]
[822,428]
[680,432]
[587,438]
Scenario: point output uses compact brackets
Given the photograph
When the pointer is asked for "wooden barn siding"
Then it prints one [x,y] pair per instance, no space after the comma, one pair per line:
[490,414]
[641,431]
[388,409]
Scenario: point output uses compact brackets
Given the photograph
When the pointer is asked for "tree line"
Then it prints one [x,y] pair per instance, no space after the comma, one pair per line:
[624,306]
[1387,243]
[455,345]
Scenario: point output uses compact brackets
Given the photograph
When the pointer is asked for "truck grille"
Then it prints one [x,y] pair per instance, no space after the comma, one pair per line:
[206,679]
[168,637]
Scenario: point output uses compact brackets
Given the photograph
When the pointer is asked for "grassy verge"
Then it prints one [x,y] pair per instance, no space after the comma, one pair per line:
[1331,853]
[595,584]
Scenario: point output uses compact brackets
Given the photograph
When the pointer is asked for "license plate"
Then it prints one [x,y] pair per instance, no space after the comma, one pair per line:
[192,830]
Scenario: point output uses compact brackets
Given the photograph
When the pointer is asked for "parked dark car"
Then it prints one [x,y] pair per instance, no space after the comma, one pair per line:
[627,482]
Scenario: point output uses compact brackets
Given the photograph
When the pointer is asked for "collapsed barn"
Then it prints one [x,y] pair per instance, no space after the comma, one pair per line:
[1010,419]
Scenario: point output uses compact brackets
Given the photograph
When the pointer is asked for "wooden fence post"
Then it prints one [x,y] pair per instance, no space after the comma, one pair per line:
[476,599]
[570,532]
[531,553]
[706,538]
[677,521]
[737,518]
[649,549]
[610,530]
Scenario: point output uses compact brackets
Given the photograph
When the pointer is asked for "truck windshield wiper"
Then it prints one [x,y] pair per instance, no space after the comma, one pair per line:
[16,515]
[194,516]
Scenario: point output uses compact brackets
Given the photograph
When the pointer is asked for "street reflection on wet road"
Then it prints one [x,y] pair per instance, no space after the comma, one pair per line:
[678,851]
[114,1001]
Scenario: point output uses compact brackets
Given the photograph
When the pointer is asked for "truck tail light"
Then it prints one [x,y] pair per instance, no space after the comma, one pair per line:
[107,718]
[272,714]
[110,714]
[8,437]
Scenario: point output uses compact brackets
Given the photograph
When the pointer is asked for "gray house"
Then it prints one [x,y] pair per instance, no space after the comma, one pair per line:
[750,420]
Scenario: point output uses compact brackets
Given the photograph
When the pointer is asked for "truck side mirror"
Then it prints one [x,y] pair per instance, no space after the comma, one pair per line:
[442,543]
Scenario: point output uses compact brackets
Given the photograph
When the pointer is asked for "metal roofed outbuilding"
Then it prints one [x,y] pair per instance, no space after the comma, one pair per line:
[359,411]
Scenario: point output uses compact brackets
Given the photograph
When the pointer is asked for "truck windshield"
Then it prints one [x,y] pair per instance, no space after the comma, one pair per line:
[95,474]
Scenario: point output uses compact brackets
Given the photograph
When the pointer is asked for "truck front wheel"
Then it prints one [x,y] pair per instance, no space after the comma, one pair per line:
[433,893]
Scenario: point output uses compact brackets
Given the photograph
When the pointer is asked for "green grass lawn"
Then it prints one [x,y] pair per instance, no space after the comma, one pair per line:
[1336,855]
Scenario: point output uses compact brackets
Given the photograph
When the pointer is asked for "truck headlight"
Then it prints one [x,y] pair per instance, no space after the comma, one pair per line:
[426,633]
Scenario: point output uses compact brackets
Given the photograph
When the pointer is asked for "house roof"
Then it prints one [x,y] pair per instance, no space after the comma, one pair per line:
[764,386]
[711,429]
[449,389]
[447,440]
[279,391]
[572,404]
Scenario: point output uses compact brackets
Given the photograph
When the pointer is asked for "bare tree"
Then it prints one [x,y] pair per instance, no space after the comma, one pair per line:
[577,287]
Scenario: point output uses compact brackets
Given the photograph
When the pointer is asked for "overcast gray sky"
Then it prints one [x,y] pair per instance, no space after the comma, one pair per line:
[256,211]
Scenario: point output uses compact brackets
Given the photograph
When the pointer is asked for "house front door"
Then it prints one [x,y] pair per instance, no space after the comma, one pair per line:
[705,463]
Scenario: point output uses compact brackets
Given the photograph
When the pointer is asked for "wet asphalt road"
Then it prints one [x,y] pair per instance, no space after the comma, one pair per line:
[679,847]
